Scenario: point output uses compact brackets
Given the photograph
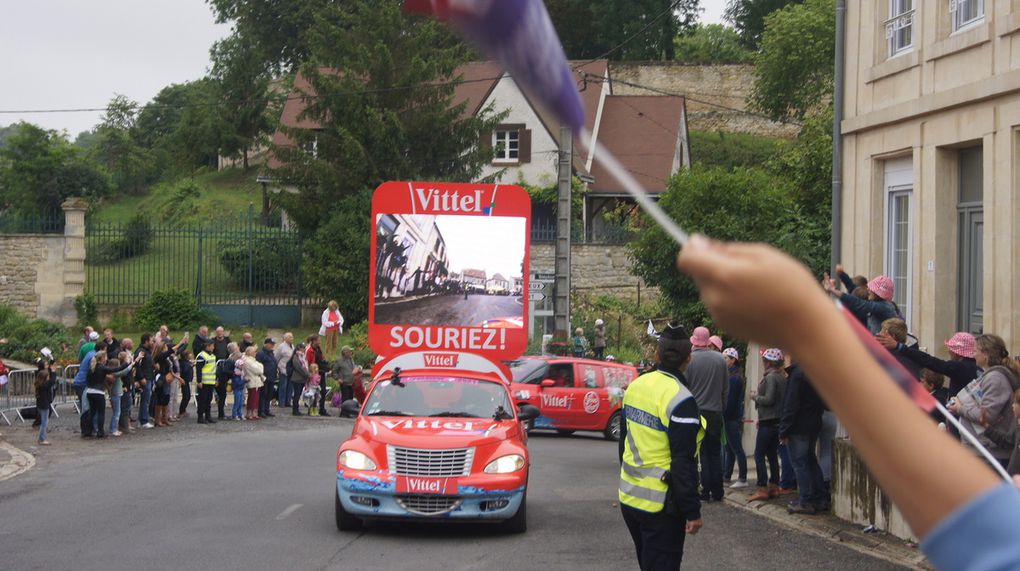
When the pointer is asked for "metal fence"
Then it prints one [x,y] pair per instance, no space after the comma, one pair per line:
[19,394]
[45,222]
[235,267]
[544,231]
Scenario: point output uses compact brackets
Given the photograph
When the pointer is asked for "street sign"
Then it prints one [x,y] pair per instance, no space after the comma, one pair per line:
[536,286]
[536,296]
[550,277]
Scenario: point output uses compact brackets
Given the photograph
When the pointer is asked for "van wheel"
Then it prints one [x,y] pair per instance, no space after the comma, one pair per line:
[564,432]
[344,520]
[519,522]
[612,431]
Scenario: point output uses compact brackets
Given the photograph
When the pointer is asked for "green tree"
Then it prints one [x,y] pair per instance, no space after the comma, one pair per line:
[243,83]
[590,28]
[183,126]
[748,17]
[5,133]
[794,68]
[731,150]
[131,165]
[746,204]
[336,257]
[711,43]
[39,169]
[388,115]
[275,33]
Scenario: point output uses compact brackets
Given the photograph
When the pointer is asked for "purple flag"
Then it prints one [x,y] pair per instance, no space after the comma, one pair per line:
[519,35]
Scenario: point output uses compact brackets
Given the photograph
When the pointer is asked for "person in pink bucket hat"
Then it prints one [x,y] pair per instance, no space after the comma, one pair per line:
[872,311]
[961,368]
[716,342]
[708,378]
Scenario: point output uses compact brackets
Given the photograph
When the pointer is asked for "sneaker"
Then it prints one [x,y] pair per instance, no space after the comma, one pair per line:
[787,491]
[738,484]
[44,443]
[148,425]
[117,433]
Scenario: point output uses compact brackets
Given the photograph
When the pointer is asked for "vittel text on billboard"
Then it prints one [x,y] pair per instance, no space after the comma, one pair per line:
[449,270]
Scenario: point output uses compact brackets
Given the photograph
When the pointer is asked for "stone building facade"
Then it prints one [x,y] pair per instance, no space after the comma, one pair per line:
[931,148]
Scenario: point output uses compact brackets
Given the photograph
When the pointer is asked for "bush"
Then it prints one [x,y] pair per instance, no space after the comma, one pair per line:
[336,258]
[85,307]
[26,337]
[175,308]
[275,259]
[363,354]
[732,150]
[137,239]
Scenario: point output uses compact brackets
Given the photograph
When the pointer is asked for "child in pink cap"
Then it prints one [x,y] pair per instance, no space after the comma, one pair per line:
[872,311]
[961,368]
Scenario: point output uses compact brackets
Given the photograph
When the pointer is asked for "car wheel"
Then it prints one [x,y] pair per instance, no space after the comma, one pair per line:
[344,520]
[519,522]
[612,431]
[564,432]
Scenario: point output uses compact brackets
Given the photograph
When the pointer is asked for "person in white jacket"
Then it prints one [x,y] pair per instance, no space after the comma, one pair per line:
[254,378]
[332,325]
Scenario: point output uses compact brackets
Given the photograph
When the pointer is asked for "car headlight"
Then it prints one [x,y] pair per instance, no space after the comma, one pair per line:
[505,464]
[356,460]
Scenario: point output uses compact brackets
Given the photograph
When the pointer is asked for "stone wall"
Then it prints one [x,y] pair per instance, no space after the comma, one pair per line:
[856,496]
[41,274]
[595,268]
[707,87]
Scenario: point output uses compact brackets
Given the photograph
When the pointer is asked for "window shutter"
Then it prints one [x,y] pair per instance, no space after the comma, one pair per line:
[524,152]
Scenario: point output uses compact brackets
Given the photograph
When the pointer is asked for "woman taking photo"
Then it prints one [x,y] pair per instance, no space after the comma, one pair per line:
[987,402]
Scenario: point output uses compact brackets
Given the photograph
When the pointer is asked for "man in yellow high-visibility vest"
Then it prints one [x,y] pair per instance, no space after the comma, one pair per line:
[658,447]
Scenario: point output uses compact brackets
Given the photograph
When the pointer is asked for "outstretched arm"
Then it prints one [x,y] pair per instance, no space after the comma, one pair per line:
[927,473]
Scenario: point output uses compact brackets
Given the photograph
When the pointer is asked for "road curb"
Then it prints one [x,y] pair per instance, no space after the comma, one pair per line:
[877,545]
[19,463]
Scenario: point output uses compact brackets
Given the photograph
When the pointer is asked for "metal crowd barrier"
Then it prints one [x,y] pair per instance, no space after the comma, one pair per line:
[18,394]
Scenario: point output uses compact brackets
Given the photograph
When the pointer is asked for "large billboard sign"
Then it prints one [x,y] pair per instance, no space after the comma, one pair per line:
[449,269]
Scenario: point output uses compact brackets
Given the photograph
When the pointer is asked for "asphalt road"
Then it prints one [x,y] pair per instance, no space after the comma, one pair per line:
[263,499]
[449,310]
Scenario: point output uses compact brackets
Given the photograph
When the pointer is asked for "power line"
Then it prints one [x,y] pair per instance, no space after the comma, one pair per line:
[633,36]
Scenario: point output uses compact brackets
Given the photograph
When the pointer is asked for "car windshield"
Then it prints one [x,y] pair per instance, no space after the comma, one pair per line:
[439,397]
[528,370]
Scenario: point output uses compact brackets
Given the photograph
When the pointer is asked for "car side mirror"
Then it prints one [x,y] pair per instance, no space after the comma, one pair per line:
[547,383]
[528,412]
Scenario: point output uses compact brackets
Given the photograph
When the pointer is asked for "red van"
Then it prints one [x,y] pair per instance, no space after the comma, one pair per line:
[572,394]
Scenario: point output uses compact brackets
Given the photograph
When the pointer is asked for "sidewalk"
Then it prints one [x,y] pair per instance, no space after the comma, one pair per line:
[827,526]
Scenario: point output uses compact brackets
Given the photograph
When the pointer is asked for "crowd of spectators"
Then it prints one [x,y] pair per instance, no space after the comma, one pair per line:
[154,384]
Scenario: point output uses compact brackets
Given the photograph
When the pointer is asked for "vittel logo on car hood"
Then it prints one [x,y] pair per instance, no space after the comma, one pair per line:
[466,426]
[441,360]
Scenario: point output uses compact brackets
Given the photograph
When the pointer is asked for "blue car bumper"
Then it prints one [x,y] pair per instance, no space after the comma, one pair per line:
[377,498]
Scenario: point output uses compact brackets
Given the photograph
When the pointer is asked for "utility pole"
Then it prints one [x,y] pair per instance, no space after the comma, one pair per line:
[561,301]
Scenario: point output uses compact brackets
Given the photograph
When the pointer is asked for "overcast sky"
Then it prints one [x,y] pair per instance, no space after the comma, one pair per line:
[60,54]
[68,54]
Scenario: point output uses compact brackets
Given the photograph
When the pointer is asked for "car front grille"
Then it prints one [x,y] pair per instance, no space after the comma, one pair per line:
[441,463]
[429,505]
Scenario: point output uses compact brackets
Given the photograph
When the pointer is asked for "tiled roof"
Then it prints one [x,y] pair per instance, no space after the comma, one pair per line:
[641,131]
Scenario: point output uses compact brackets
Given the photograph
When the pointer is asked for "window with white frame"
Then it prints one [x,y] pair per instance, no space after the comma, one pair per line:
[899,246]
[899,28]
[966,12]
[507,145]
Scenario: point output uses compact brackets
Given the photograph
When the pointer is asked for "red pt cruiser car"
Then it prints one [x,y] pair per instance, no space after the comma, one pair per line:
[572,394]
[435,445]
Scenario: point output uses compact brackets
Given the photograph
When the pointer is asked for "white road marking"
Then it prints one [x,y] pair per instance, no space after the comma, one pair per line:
[286,513]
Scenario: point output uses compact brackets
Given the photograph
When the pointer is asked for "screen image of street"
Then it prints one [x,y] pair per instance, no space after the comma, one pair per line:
[449,270]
